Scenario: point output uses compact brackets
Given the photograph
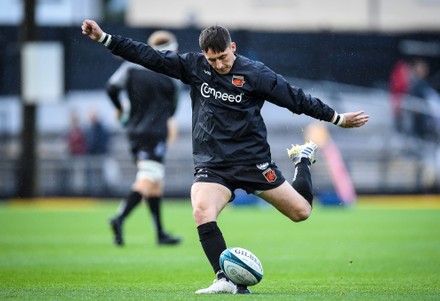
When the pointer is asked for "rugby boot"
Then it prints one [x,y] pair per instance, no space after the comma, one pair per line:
[306,150]
[116,227]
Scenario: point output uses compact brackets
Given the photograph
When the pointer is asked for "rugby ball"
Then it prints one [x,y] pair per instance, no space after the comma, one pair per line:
[241,266]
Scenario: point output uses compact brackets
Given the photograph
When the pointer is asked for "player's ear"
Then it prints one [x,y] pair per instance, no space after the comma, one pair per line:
[233,46]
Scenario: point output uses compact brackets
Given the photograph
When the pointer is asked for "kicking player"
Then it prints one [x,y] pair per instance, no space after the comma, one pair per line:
[153,98]
[230,148]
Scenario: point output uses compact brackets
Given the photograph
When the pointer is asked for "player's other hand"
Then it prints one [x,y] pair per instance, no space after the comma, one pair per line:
[354,119]
[91,28]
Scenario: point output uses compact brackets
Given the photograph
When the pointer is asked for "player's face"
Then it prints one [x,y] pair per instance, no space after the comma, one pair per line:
[222,61]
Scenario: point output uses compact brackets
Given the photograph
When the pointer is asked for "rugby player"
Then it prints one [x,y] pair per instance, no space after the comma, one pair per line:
[229,136]
[148,120]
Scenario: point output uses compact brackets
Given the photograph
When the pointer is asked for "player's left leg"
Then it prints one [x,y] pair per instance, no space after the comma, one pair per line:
[154,203]
[208,200]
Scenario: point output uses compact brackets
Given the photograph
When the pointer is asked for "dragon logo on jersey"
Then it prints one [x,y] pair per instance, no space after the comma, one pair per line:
[270,175]
[238,80]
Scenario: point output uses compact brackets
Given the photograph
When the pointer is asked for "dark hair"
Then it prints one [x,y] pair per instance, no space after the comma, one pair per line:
[216,38]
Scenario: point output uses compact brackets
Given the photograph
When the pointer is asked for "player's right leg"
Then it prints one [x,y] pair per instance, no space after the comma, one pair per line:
[125,208]
[288,201]
[306,150]
[303,156]
[295,201]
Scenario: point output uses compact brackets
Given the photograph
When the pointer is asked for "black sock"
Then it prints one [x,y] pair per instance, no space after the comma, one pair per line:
[127,205]
[154,205]
[302,180]
[212,242]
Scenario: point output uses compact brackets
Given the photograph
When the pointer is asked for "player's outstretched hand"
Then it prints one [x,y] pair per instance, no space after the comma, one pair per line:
[91,28]
[354,119]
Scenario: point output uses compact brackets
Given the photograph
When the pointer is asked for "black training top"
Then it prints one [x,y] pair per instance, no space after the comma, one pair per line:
[227,126]
[153,100]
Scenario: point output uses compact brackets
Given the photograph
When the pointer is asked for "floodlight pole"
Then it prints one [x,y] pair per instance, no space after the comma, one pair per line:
[27,176]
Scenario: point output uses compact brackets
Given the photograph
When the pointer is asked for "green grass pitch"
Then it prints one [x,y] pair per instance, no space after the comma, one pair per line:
[64,251]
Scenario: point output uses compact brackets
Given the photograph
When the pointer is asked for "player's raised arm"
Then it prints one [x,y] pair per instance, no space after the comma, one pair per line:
[350,119]
[91,28]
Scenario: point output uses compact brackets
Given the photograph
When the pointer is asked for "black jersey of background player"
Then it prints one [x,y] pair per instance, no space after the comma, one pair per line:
[153,99]
[227,125]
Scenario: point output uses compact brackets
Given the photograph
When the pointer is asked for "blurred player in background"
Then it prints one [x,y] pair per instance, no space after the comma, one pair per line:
[426,122]
[148,119]
[230,148]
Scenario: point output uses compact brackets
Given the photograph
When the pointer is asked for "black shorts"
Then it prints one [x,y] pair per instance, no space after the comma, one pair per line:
[155,150]
[253,178]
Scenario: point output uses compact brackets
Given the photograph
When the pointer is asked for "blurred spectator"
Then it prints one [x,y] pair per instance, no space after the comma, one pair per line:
[419,71]
[75,137]
[398,87]
[435,80]
[426,120]
[97,136]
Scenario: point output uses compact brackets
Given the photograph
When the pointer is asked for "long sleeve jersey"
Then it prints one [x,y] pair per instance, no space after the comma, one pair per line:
[227,126]
[153,99]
